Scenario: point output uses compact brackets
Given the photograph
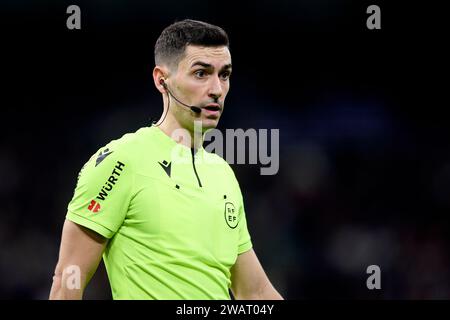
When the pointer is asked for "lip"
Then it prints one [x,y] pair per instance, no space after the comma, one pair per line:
[213,105]
[212,112]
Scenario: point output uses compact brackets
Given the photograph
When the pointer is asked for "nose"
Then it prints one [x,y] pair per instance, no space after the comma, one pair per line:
[215,88]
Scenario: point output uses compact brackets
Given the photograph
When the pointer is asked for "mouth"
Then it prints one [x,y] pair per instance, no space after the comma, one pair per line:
[212,107]
[212,110]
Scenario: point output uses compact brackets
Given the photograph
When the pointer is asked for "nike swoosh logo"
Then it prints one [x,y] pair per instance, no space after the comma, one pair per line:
[166,166]
[102,156]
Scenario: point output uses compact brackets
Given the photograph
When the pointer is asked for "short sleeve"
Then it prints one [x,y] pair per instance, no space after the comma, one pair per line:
[245,242]
[103,192]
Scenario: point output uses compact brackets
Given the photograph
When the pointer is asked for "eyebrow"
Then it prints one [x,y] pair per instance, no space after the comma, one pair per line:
[207,65]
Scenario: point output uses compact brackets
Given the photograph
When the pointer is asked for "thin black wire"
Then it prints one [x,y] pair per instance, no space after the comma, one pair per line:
[165,114]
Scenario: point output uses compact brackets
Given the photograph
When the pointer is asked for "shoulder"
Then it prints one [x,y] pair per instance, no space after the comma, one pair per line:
[133,146]
[121,150]
[129,142]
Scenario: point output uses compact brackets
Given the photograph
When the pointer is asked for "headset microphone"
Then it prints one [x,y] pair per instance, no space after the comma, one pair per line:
[193,108]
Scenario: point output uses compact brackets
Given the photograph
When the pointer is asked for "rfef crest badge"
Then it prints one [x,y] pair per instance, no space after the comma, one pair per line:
[231,216]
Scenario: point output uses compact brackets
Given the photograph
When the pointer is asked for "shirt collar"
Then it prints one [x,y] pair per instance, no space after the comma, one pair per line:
[170,144]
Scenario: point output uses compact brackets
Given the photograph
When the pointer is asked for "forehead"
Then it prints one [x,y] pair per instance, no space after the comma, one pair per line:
[215,56]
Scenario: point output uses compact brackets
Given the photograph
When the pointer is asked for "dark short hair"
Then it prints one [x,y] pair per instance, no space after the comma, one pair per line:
[171,44]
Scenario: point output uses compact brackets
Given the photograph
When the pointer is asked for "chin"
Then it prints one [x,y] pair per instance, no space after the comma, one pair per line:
[209,124]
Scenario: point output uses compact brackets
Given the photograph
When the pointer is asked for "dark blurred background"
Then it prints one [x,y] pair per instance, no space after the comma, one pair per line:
[364,143]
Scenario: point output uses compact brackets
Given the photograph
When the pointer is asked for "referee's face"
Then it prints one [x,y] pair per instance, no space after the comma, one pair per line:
[202,79]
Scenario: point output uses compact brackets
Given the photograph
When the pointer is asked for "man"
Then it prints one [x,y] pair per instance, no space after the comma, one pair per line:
[167,216]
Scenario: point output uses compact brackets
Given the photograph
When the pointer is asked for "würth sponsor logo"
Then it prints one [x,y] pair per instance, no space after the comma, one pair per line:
[110,183]
[94,206]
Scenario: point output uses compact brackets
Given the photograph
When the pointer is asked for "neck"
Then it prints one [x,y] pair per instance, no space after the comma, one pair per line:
[188,137]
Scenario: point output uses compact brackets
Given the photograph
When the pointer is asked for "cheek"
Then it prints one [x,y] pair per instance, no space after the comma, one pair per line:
[192,89]
[226,88]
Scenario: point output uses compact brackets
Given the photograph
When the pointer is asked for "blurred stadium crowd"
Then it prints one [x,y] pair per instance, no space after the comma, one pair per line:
[364,173]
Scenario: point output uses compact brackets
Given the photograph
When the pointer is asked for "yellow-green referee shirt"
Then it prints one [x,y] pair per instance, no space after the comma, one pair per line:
[175,218]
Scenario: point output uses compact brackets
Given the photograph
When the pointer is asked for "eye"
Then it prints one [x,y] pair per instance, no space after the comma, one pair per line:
[200,73]
[225,75]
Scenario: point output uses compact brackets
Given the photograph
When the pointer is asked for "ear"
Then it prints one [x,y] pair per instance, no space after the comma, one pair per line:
[160,72]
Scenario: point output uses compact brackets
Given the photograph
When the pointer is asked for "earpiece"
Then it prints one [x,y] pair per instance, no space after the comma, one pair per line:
[193,108]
